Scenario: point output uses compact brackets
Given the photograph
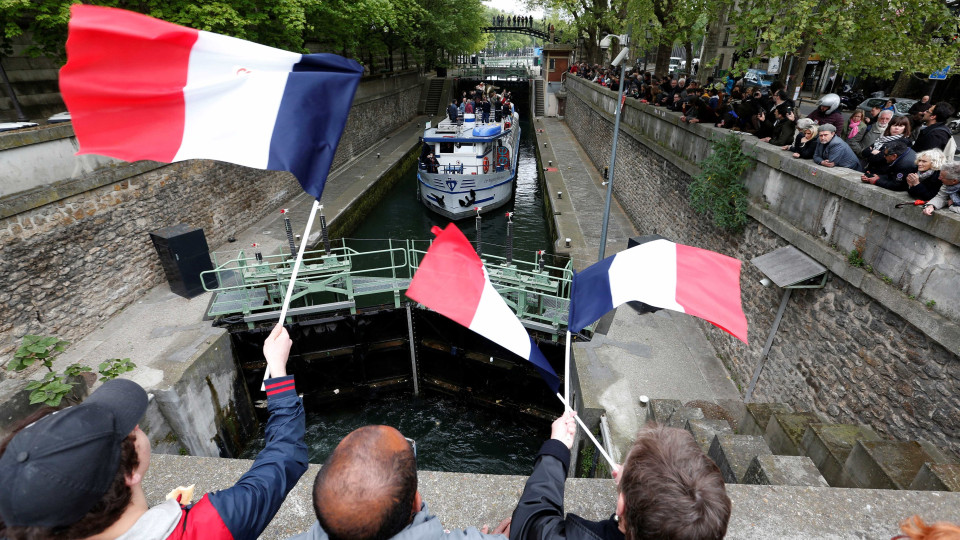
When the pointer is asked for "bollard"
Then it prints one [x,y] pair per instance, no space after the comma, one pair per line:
[559,194]
[549,164]
[567,242]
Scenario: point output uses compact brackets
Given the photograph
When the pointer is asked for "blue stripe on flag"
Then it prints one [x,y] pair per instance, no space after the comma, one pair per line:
[312,114]
[546,371]
[590,296]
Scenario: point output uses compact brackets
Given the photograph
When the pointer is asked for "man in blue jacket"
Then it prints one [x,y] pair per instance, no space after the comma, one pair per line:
[667,489]
[832,151]
[77,472]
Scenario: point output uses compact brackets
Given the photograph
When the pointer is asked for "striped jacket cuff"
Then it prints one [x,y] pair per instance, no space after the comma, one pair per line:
[279,387]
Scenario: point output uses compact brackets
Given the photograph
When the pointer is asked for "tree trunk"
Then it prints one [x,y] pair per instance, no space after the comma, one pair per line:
[903,84]
[800,65]
[709,50]
[663,59]
[688,50]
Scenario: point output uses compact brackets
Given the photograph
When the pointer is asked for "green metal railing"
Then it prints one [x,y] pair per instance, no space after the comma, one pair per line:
[250,288]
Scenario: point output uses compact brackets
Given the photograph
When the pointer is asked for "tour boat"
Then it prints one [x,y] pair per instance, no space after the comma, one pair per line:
[477,165]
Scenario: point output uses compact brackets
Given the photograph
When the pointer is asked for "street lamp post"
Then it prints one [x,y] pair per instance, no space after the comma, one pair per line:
[613,150]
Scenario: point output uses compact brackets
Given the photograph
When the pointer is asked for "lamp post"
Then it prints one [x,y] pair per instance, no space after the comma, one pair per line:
[613,150]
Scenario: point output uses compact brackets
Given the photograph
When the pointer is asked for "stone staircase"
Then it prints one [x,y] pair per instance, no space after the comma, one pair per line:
[772,444]
[434,93]
[540,98]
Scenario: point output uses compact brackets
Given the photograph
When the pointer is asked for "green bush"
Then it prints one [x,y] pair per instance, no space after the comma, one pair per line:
[719,189]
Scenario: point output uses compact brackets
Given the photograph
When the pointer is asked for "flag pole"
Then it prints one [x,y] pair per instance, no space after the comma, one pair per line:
[566,369]
[596,443]
[293,276]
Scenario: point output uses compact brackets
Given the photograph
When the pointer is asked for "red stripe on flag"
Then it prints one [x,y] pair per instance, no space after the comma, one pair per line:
[280,390]
[708,286]
[123,82]
[450,278]
[282,383]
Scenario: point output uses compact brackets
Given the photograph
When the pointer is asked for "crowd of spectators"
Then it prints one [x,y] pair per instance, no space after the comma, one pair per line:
[912,153]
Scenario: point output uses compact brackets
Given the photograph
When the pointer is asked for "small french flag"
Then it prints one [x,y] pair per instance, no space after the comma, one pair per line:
[665,275]
[141,88]
[452,281]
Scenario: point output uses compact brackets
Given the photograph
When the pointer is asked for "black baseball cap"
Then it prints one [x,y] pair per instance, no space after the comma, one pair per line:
[55,470]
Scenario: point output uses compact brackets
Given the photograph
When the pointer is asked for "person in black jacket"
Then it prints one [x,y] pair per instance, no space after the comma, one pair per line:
[784,127]
[925,183]
[900,161]
[668,489]
[806,142]
[935,133]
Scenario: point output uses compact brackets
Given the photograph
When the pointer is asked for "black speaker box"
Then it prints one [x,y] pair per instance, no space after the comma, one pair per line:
[184,254]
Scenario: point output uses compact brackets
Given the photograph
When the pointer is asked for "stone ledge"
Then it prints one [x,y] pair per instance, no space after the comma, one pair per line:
[462,500]
[24,201]
[46,133]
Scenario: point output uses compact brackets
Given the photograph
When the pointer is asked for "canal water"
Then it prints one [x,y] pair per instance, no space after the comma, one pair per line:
[451,434]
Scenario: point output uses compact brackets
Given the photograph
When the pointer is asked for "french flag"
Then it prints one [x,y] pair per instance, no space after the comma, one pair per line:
[141,88]
[452,281]
[664,275]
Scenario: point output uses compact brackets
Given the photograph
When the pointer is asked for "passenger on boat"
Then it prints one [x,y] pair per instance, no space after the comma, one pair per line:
[453,111]
[468,109]
[433,165]
[485,110]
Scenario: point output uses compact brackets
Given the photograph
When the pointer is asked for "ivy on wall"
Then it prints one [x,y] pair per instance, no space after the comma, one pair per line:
[719,189]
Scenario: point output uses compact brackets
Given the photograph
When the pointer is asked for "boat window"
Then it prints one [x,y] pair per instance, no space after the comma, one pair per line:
[446,148]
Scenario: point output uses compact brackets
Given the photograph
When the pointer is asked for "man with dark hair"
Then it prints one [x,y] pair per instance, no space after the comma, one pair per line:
[900,162]
[668,489]
[367,490]
[453,111]
[77,472]
[935,133]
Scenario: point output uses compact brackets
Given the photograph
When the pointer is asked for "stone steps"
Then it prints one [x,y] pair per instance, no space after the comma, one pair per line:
[771,444]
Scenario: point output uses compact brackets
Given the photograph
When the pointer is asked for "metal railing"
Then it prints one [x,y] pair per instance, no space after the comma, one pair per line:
[250,286]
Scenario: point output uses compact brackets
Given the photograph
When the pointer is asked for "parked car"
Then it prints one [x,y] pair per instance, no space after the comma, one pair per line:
[758,77]
[674,65]
[901,106]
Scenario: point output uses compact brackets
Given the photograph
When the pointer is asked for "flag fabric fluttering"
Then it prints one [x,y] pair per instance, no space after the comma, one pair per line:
[452,281]
[141,88]
[665,275]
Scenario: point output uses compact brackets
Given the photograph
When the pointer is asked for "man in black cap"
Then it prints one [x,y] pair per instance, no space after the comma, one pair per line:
[77,472]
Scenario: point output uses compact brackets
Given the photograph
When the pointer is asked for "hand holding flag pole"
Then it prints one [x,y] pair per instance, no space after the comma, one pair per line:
[606,456]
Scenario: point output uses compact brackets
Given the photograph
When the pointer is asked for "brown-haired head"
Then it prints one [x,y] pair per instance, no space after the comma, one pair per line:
[914,528]
[367,488]
[670,490]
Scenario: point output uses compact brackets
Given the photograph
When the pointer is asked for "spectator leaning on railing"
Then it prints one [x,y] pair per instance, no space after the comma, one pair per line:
[832,151]
[925,183]
[949,195]
[899,162]
[806,142]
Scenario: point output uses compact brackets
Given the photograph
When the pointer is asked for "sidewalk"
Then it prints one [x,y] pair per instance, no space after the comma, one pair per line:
[660,355]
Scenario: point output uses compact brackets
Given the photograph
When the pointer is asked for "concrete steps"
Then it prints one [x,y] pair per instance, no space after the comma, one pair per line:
[540,98]
[772,444]
[434,92]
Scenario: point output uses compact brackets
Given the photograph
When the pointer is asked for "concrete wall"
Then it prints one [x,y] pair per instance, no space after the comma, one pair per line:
[74,229]
[867,348]
[34,81]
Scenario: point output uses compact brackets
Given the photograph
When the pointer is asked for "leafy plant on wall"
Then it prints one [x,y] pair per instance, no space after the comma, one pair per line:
[718,190]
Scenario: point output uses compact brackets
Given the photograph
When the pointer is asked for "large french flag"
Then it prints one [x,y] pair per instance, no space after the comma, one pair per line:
[665,275]
[141,88]
[452,281]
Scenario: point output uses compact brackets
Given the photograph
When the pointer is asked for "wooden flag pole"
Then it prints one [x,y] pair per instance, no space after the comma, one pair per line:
[293,276]
[613,466]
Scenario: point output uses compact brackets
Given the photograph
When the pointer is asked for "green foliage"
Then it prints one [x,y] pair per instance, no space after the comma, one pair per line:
[113,368]
[37,348]
[53,387]
[719,189]
[855,258]
[931,303]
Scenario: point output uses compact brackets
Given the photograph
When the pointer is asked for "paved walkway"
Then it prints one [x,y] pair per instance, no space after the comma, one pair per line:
[660,355]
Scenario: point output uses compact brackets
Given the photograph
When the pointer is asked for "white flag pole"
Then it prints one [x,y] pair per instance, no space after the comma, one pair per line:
[566,369]
[596,443]
[293,276]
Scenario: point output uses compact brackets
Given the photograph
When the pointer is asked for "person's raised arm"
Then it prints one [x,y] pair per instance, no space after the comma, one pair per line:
[539,513]
[247,508]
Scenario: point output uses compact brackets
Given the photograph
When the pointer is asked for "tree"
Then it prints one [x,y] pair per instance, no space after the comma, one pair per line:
[862,37]
[591,20]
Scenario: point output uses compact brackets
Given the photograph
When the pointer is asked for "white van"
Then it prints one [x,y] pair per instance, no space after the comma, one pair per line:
[675,62]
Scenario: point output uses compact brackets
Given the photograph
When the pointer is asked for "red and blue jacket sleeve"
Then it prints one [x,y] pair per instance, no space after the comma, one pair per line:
[247,508]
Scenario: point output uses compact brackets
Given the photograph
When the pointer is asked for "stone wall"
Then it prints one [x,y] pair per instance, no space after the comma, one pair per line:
[866,348]
[75,246]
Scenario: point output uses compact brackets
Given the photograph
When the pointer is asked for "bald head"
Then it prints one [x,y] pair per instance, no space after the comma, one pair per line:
[367,487]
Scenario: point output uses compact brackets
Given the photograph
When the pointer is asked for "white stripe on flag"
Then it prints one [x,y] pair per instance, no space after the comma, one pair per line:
[495,321]
[234,88]
[656,284]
